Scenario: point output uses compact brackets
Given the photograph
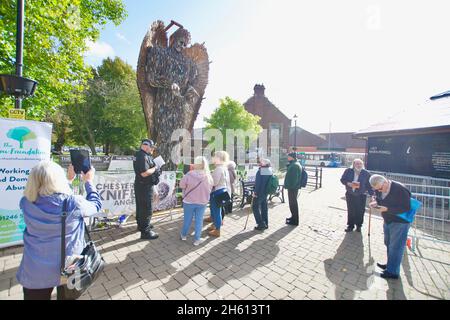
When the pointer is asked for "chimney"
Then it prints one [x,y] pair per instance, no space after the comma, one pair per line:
[259,90]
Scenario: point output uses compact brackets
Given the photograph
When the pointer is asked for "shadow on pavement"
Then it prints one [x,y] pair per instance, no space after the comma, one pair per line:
[225,267]
[346,270]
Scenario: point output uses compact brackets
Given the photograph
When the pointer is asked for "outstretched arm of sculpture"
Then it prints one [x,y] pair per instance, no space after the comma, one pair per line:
[155,71]
[192,95]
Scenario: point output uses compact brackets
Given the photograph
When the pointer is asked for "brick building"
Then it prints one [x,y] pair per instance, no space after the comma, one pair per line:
[271,117]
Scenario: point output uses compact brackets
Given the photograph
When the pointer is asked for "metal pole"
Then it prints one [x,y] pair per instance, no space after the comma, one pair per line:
[317,177]
[329,139]
[295,135]
[19,44]
[320,178]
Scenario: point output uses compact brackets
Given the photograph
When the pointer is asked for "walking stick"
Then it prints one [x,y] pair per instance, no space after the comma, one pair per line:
[370,220]
[248,215]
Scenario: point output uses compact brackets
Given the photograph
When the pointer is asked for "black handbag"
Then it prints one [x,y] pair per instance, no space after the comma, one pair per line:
[223,200]
[77,278]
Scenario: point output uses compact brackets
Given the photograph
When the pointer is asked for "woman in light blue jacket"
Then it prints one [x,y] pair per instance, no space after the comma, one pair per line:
[42,206]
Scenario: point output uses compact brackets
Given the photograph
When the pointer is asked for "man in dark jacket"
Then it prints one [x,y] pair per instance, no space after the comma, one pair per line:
[292,183]
[146,172]
[259,206]
[392,199]
[356,182]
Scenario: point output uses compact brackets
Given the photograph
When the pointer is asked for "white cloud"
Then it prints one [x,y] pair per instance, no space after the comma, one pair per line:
[122,37]
[99,50]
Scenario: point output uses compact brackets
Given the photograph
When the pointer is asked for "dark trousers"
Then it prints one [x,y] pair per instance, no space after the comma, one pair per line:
[356,207]
[293,205]
[144,197]
[261,211]
[42,294]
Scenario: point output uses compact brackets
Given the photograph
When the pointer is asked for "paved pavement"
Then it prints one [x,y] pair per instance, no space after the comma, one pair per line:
[314,261]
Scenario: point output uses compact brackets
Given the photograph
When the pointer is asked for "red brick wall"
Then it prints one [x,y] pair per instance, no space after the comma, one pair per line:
[262,107]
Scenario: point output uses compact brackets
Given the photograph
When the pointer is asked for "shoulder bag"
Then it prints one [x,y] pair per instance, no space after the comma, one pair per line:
[78,277]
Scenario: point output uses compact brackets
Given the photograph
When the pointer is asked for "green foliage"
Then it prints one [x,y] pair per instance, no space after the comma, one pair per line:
[110,111]
[55,39]
[231,114]
[21,134]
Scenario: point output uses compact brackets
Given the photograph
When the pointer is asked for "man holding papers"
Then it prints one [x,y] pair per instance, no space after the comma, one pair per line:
[147,175]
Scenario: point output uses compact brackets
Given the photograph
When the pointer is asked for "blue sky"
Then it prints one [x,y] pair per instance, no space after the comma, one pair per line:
[349,63]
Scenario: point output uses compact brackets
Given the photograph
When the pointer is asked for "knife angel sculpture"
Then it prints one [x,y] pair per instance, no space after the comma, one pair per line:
[172,78]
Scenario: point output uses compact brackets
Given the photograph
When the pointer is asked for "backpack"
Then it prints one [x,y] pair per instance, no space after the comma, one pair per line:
[272,185]
[304,179]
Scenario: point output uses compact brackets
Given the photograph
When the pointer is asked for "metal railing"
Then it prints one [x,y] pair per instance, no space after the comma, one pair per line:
[432,221]
[314,176]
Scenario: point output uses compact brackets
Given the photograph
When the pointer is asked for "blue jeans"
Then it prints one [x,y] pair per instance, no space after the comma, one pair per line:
[216,211]
[261,211]
[191,211]
[395,237]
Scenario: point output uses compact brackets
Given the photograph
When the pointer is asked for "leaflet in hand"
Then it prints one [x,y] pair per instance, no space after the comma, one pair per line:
[159,162]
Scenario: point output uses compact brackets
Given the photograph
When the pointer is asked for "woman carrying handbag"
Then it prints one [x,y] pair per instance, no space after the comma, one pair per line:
[221,195]
[46,192]
[197,186]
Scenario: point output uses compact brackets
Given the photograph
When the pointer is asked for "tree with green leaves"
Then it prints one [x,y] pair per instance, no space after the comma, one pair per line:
[109,112]
[231,114]
[55,40]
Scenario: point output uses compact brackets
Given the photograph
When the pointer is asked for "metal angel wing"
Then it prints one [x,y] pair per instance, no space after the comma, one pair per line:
[199,55]
[156,37]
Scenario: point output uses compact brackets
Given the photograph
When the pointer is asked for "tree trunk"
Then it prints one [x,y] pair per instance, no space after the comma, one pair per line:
[91,142]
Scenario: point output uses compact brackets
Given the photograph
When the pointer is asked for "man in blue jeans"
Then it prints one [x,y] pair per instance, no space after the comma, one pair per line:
[392,199]
[259,207]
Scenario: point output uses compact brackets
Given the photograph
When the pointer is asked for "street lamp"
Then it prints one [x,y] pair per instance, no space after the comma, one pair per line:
[295,132]
[18,86]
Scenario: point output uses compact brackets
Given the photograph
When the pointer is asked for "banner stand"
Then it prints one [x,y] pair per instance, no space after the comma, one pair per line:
[23,144]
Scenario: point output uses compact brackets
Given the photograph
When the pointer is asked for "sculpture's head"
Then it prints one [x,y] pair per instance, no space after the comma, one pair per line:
[180,39]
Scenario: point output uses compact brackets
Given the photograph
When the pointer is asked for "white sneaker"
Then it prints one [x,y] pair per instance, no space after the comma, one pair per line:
[197,242]
[183,238]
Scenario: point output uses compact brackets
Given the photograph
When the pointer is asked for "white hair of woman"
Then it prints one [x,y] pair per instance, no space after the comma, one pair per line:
[45,179]
[377,180]
[266,162]
[222,156]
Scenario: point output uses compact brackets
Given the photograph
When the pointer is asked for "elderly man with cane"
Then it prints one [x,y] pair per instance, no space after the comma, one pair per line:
[356,182]
[392,200]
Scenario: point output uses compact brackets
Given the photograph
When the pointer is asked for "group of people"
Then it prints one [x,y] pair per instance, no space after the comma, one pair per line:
[48,188]
[202,188]
[391,199]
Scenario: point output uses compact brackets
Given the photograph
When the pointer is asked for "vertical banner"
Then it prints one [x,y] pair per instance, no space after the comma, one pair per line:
[23,144]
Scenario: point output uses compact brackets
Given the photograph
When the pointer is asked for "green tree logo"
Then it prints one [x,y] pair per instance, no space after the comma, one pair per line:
[21,134]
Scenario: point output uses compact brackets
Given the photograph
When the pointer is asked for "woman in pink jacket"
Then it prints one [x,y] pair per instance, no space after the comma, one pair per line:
[197,186]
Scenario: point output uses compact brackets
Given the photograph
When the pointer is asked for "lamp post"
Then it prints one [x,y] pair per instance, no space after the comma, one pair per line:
[295,132]
[16,85]
[19,45]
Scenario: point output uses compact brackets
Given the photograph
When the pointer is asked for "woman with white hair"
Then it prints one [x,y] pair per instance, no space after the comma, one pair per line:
[221,185]
[46,191]
[259,207]
[392,199]
[197,185]
[356,182]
